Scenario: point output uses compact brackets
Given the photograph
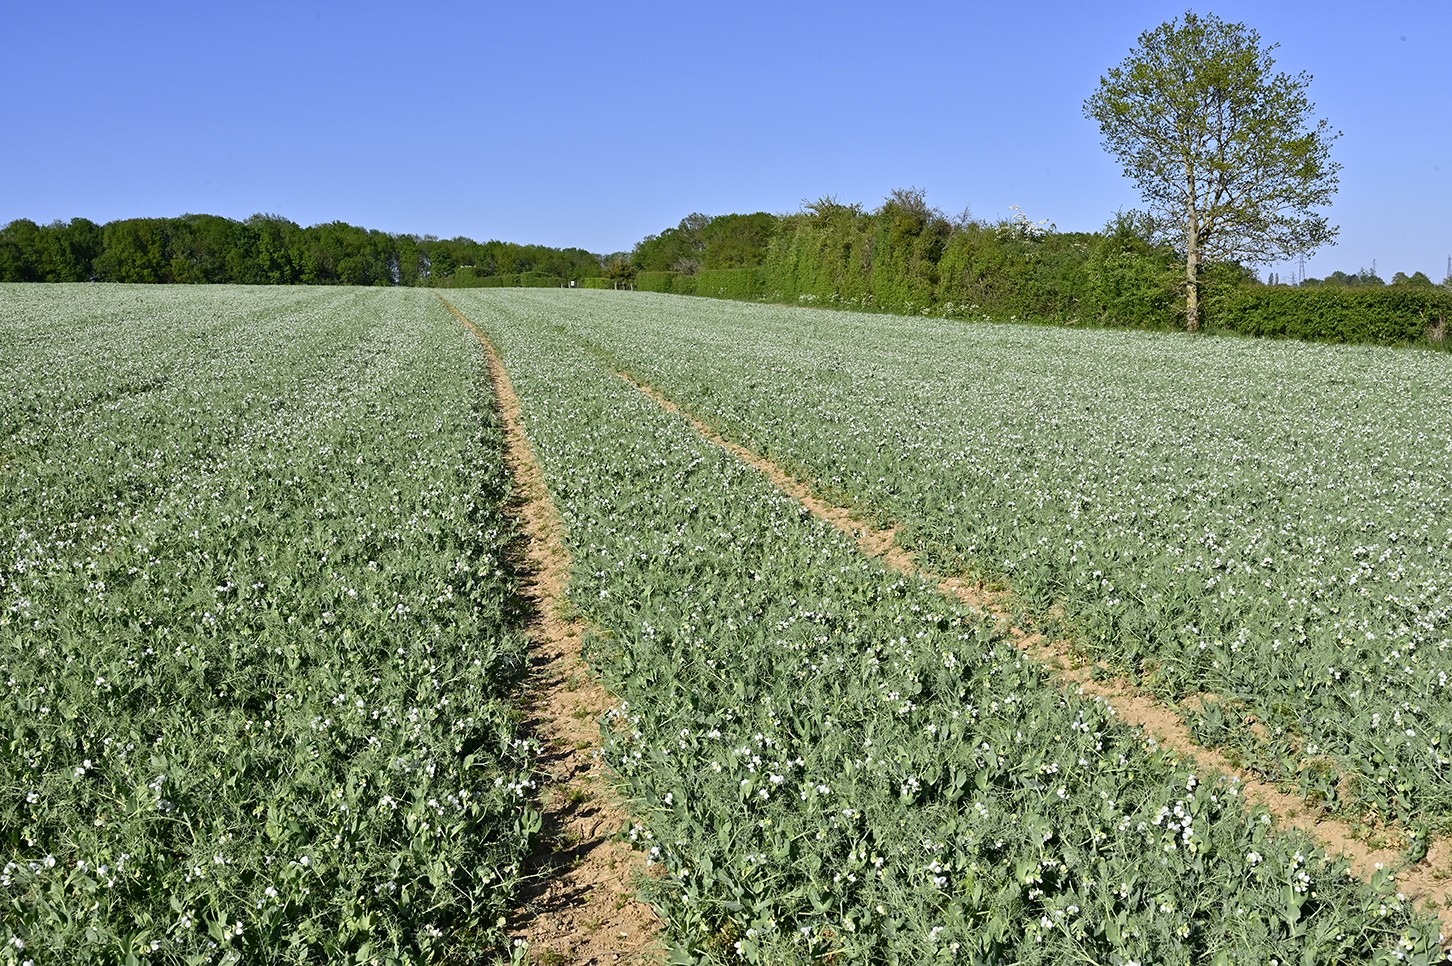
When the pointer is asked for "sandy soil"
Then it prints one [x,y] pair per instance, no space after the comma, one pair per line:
[580,905]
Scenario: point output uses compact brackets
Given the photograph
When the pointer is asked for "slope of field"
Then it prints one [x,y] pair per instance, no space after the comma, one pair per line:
[579,903]
[254,630]
[1255,529]
[833,762]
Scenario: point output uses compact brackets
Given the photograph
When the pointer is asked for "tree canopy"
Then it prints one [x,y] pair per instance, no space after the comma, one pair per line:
[265,249]
[1223,148]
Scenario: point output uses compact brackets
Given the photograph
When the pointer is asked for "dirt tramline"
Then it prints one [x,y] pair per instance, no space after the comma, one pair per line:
[1425,880]
[580,906]
[884,776]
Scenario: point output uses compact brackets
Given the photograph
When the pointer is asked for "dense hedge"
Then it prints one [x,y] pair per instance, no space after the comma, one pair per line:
[467,277]
[725,283]
[823,256]
[731,283]
[1394,315]
[674,282]
[906,258]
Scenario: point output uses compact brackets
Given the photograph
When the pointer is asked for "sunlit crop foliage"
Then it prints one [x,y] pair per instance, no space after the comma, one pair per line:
[254,630]
[1262,527]
[832,762]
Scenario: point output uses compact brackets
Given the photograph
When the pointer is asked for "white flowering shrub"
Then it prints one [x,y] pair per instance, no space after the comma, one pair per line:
[1021,227]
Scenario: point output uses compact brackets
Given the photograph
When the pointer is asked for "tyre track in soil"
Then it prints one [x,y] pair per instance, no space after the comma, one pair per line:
[579,904]
[1428,882]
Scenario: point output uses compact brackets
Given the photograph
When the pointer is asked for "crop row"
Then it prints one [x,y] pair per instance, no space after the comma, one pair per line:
[255,630]
[1256,528]
[833,762]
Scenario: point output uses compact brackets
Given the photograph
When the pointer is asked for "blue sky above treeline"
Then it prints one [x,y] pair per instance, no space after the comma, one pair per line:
[577,124]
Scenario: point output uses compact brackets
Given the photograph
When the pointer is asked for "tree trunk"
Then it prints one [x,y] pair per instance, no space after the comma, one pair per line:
[1192,271]
[1192,293]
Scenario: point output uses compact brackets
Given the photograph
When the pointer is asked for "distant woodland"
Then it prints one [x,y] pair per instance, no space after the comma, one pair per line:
[264,250]
[902,256]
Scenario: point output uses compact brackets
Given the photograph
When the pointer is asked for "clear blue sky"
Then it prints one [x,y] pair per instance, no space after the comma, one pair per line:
[597,124]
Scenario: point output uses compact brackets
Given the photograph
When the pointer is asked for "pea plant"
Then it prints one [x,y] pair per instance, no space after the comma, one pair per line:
[831,762]
[1255,529]
[256,631]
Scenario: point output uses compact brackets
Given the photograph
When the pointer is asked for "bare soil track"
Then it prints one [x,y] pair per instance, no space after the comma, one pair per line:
[1427,882]
[581,905]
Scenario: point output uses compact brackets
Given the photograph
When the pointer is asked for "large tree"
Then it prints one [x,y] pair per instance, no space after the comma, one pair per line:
[1224,148]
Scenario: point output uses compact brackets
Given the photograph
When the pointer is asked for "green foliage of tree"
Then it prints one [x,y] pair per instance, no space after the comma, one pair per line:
[435,261]
[677,249]
[264,250]
[198,246]
[267,251]
[620,270]
[737,241]
[1223,147]
[20,251]
[700,242]
[569,263]
[134,250]
[1363,278]
[407,266]
[1131,278]
[68,249]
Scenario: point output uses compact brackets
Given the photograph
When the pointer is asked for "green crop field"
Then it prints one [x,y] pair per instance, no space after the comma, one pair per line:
[254,630]
[258,633]
[1268,524]
[830,760]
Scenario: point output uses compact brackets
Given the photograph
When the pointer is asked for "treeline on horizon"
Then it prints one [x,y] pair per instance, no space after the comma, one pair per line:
[903,256]
[906,256]
[267,250]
